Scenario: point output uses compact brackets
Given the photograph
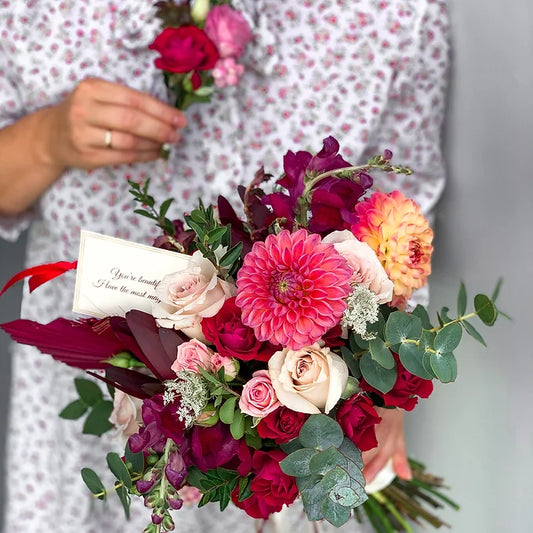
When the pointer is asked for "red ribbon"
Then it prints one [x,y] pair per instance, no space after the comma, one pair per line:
[41,274]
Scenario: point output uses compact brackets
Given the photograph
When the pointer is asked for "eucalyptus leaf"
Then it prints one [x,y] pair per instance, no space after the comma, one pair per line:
[93,482]
[334,513]
[411,358]
[335,478]
[345,496]
[313,494]
[421,312]
[448,338]
[291,446]
[320,432]
[485,309]
[461,300]
[297,464]
[375,375]
[444,366]
[401,326]
[136,459]
[381,354]
[323,462]
[473,332]
[117,466]
[124,498]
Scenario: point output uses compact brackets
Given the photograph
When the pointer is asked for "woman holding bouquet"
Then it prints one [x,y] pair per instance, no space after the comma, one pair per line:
[82,108]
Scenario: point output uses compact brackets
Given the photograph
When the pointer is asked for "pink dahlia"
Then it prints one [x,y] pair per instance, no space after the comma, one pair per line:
[393,226]
[292,288]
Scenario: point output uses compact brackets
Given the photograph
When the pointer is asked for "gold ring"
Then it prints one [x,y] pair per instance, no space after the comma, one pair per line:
[107,139]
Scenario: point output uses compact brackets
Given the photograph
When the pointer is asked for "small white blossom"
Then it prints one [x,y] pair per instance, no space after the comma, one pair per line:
[362,309]
[193,395]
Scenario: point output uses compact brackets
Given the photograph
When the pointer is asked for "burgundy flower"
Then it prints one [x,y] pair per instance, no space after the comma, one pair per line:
[358,418]
[406,390]
[282,425]
[212,447]
[232,338]
[165,418]
[176,471]
[270,487]
[184,49]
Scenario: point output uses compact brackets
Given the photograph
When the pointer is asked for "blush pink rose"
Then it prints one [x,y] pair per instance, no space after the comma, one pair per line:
[190,294]
[126,414]
[258,397]
[228,29]
[194,354]
[367,269]
[309,380]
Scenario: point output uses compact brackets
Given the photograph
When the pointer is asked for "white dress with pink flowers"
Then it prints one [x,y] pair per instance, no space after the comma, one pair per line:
[371,73]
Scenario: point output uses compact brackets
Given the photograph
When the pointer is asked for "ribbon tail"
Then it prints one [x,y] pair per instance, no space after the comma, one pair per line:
[40,274]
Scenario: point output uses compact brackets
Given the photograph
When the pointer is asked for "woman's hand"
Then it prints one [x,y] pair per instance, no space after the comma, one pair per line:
[99,124]
[103,123]
[391,443]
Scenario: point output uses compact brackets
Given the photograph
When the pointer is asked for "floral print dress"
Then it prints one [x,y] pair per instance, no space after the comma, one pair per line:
[372,73]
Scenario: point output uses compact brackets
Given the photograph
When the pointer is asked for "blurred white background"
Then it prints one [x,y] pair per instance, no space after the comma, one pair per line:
[477,432]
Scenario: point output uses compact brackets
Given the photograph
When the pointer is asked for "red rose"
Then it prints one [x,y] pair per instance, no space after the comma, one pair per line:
[270,487]
[406,389]
[184,49]
[358,418]
[282,425]
[232,338]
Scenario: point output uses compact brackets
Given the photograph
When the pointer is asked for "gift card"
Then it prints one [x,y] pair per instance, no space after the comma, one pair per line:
[115,275]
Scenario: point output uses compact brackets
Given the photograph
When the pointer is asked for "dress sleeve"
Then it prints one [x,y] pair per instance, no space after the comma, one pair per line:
[411,122]
[11,109]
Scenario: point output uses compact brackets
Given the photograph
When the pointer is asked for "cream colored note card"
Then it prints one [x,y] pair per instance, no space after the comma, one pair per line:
[115,276]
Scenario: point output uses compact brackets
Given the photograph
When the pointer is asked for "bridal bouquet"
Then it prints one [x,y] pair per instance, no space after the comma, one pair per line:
[255,375]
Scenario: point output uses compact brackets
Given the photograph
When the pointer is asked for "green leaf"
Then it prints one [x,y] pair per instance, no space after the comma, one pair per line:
[216,234]
[461,300]
[237,425]
[117,466]
[143,213]
[448,338]
[351,362]
[231,255]
[496,291]
[334,513]
[97,423]
[227,411]
[411,358]
[136,459]
[74,410]
[164,207]
[244,488]
[444,366]
[125,500]
[297,463]
[345,496]
[335,478]
[380,378]
[381,354]
[485,309]
[313,494]
[291,446]
[353,454]
[401,326]
[473,332]
[197,228]
[323,462]
[421,312]
[321,432]
[89,391]
[91,479]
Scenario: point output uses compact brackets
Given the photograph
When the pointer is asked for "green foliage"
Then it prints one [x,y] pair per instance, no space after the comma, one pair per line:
[91,402]
[217,485]
[93,482]
[380,378]
[328,470]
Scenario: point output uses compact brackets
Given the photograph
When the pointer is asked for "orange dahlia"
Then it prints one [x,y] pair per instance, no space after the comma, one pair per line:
[292,288]
[393,226]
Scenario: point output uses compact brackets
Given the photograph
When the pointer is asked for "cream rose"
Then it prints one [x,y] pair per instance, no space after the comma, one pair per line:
[309,380]
[126,414]
[191,294]
[367,269]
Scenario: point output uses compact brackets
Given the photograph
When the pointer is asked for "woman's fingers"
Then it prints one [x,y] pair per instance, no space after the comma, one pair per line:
[98,138]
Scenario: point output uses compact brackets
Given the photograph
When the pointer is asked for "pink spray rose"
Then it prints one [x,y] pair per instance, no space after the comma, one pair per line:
[258,397]
[194,354]
[228,29]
